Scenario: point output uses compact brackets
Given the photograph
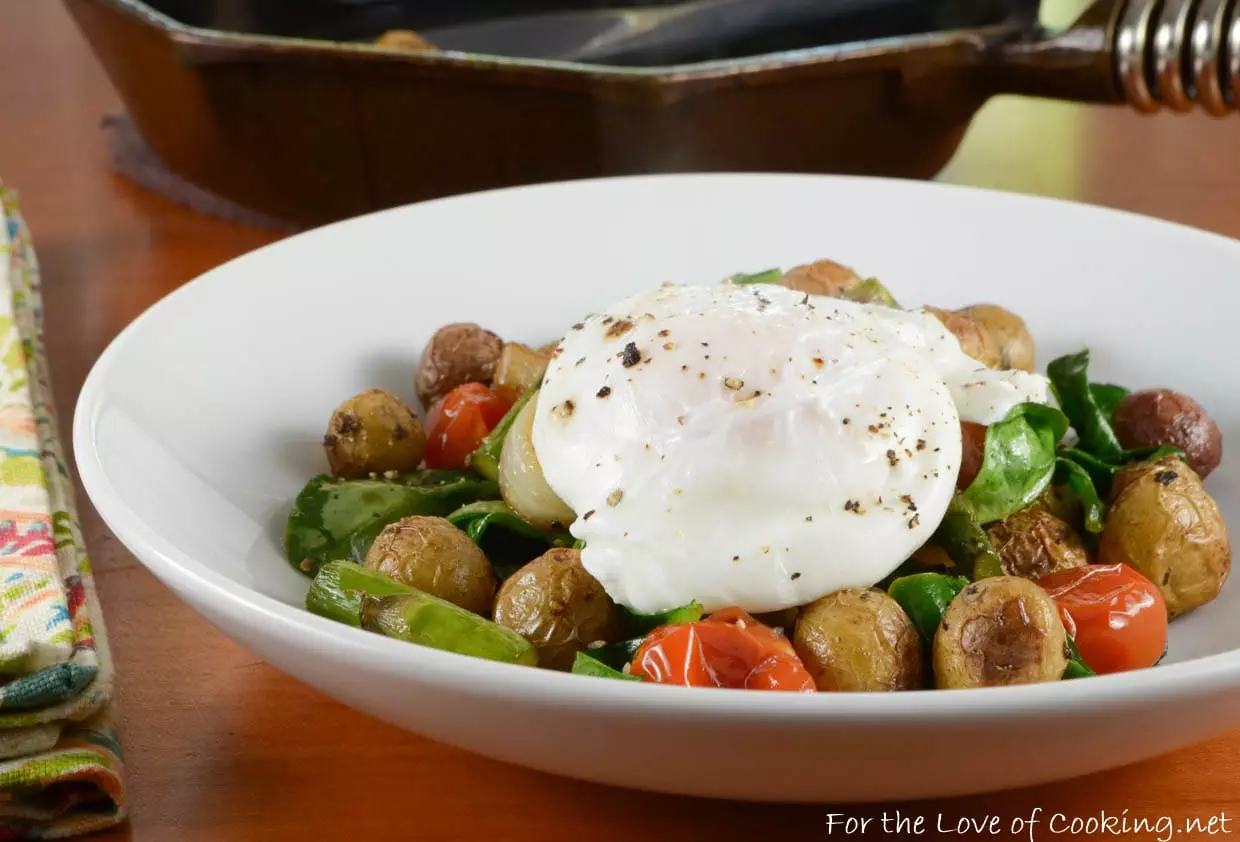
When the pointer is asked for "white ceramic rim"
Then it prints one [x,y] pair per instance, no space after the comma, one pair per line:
[182,573]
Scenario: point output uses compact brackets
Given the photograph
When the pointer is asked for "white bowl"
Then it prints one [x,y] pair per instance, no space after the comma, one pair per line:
[202,420]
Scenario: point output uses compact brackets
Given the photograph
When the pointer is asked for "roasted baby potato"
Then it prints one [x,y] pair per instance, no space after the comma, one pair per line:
[432,555]
[1160,416]
[1000,631]
[1032,543]
[975,341]
[456,353]
[1012,338]
[405,39]
[520,367]
[859,639]
[1165,525]
[822,277]
[373,433]
[556,605]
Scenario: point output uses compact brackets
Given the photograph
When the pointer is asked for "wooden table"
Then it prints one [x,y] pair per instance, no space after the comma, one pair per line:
[221,746]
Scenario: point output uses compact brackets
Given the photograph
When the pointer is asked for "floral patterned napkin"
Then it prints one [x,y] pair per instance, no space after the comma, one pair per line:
[60,766]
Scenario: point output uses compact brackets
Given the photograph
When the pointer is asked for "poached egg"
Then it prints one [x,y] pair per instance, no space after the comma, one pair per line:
[754,446]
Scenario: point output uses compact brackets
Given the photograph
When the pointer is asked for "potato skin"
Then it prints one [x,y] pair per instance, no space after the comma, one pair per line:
[1164,524]
[372,433]
[1032,543]
[998,632]
[1012,337]
[975,340]
[554,603]
[405,39]
[1158,417]
[858,640]
[822,277]
[457,353]
[432,555]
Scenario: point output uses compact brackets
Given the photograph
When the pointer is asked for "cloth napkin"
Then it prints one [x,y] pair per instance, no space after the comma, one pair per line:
[60,766]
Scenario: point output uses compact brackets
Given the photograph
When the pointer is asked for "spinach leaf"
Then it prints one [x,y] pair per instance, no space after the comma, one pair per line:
[1018,462]
[507,541]
[925,597]
[766,276]
[1102,473]
[583,664]
[616,655]
[644,624]
[966,544]
[871,291]
[1080,485]
[337,519]
[485,460]
[1153,453]
[1091,422]
[1077,668]
[1107,396]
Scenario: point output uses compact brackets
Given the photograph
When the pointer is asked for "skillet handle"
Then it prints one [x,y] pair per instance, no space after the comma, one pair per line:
[1148,53]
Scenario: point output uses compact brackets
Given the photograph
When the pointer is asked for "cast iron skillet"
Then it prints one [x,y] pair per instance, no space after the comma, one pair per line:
[285,107]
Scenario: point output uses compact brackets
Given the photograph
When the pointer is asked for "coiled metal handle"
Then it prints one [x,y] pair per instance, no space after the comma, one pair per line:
[1178,53]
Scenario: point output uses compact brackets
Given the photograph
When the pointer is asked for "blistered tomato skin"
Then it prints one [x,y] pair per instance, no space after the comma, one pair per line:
[1116,616]
[459,421]
[728,649]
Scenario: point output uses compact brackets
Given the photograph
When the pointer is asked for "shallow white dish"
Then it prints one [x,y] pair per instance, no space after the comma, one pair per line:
[202,420]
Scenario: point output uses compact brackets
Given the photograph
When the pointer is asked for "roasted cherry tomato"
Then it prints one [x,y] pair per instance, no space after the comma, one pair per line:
[458,422]
[727,649]
[972,451]
[1116,616]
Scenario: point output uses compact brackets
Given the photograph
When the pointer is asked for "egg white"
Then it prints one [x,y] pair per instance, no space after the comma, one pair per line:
[752,446]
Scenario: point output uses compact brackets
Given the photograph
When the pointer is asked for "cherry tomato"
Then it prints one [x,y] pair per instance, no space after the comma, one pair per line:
[459,421]
[1116,616]
[728,649]
[973,449]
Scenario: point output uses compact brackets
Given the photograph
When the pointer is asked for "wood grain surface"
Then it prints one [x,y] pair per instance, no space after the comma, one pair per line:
[221,746]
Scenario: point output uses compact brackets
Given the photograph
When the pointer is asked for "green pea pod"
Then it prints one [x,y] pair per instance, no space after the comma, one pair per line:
[1068,375]
[967,545]
[871,291]
[334,519]
[1076,668]
[583,664]
[427,620]
[925,597]
[336,592]
[1018,462]
[766,276]
[1107,396]
[485,460]
[505,539]
[1080,485]
[644,624]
